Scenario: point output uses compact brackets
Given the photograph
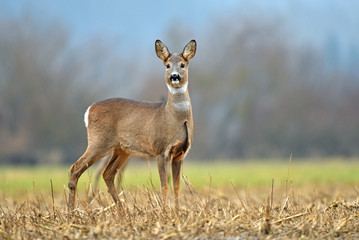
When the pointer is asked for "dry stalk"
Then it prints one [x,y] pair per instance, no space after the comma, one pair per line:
[239,198]
[290,217]
[106,209]
[53,200]
[266,223]
[234,218]
[286,180]
[271,195]
[192,189]
[209,190]
[171,235]
[343,223]
[284,205]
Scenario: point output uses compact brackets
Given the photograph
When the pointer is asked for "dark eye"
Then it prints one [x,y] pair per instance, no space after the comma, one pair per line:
[182,65]
[167,66]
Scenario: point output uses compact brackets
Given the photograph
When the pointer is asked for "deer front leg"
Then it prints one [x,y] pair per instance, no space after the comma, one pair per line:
[162,161]
[176,175]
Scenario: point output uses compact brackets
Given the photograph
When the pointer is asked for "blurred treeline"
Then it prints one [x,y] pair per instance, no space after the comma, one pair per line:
[254,92]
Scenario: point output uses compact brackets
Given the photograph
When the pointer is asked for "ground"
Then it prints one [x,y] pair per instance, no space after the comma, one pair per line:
[219,200]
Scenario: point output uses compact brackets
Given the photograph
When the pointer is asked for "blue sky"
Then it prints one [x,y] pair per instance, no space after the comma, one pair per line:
[133,21]
[137,24]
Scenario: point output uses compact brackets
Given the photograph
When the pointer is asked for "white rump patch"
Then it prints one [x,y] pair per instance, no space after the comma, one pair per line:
[182,106]
[86,117]
[177,90]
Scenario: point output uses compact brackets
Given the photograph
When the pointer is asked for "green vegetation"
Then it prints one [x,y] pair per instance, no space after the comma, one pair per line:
[319,201]
[19,180]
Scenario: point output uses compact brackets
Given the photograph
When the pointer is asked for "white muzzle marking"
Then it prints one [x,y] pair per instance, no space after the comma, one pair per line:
[177,90]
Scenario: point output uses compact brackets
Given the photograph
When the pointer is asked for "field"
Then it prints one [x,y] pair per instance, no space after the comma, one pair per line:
[274,199]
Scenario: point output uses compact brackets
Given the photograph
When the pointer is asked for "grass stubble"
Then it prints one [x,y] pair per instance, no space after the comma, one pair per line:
[273,212]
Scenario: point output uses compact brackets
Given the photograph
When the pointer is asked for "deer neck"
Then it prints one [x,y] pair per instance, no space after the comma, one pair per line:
[179,102]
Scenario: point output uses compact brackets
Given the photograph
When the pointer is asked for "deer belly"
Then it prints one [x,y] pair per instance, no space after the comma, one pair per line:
[136,146]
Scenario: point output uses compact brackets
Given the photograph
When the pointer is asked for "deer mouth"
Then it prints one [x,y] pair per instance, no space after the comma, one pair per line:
[175,82]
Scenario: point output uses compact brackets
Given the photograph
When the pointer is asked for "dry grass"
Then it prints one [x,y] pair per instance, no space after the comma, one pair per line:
[207,213]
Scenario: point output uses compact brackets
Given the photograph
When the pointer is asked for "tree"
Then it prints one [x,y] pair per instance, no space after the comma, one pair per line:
[45,85]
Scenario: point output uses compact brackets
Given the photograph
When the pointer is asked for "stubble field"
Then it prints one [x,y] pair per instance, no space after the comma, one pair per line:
[311,199]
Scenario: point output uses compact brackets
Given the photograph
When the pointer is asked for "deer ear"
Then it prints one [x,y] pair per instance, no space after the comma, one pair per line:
[161,50]
[189,50]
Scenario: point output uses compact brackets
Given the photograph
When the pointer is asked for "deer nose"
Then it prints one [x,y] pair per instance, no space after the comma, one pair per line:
[175,77]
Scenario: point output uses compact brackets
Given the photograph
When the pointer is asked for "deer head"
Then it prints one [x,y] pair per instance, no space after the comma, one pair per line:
[176,74]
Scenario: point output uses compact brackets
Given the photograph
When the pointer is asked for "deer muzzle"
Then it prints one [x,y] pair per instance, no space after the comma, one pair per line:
[175,77]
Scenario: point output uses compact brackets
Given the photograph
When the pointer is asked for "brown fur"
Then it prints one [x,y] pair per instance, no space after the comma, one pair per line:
[126,127]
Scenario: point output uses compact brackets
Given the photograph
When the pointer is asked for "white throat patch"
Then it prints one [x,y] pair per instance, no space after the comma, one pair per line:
[177,90]
[182,106]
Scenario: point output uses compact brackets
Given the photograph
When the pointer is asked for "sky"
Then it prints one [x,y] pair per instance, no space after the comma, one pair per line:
[137,24]
[132,21]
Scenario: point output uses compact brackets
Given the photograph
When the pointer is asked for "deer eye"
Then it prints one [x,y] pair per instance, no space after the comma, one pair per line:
[167,66]
[182,65]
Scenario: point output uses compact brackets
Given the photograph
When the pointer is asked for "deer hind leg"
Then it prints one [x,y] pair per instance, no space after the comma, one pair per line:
[176,177]
[119,176]
[101,166]
[91,156]
[162,162]
[116,162]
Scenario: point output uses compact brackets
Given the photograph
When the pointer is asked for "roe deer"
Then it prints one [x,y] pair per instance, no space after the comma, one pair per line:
[163,130]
